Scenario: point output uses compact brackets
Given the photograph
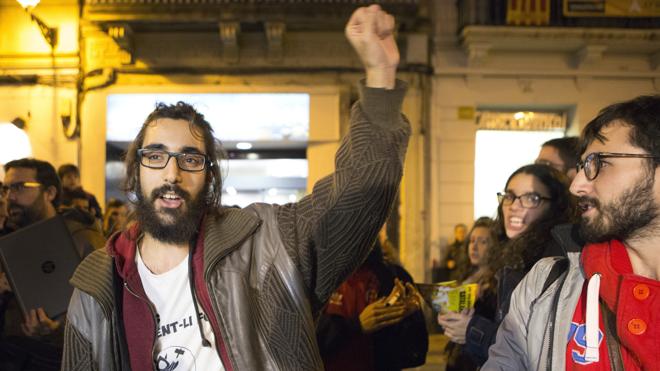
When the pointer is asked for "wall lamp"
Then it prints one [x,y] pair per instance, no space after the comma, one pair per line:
[49,33]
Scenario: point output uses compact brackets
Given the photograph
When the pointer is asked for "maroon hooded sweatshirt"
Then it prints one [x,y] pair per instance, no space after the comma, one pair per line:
[138,313]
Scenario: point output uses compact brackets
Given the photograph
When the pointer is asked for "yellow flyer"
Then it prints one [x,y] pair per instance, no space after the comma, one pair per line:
[449,296]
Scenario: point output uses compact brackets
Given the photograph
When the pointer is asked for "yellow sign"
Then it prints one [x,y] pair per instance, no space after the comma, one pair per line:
[528,12]
[466,113]
[612,8]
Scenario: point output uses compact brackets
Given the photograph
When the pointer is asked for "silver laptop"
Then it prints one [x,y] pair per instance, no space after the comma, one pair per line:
[39,260]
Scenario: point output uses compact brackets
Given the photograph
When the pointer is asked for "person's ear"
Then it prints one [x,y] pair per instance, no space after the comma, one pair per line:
[50,193]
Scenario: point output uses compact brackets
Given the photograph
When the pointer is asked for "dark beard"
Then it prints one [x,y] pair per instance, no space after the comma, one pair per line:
[623,218]
[28,214]
[183,225]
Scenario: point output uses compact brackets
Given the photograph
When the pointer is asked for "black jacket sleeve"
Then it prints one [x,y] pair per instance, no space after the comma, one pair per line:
[332,331]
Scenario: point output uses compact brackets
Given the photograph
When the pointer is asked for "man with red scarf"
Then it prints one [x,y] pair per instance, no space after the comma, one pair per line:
[602,312]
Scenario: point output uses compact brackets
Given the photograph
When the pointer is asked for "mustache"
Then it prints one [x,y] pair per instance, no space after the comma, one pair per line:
[584,202]
[170,188]
[13,206]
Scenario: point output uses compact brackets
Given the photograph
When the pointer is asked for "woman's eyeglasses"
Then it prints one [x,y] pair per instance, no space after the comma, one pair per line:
[529,200]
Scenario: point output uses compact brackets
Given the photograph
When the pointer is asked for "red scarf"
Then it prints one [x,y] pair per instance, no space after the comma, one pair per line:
[635,301]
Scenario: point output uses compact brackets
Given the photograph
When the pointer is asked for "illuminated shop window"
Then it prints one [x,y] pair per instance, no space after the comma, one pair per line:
[264,135]
[505,142]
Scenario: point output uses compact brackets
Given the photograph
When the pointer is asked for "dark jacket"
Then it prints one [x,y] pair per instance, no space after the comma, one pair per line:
[482,329]
[85,230]
[260,273]
[345,347]
[42,352]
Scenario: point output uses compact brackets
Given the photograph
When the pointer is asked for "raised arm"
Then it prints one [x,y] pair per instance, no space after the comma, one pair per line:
[329,232]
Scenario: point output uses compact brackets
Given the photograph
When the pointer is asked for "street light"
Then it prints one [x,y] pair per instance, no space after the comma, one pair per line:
[14,141]
[49,33]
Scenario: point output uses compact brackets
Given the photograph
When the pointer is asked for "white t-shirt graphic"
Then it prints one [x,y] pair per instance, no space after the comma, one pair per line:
[178,341]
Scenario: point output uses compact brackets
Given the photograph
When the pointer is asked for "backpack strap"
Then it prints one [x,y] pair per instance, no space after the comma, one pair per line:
[558,270]
[611,338]
[560,266]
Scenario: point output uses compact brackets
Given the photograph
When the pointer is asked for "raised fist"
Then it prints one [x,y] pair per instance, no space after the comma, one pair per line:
[371,33]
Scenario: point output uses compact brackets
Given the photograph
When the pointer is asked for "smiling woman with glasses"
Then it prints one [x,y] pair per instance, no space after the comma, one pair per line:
[535,199]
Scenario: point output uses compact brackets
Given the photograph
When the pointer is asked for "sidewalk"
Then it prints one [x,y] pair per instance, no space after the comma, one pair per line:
[435,359]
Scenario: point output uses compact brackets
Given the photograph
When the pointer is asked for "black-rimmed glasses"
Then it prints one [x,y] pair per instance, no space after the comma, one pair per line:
[529,200]
[17,187]
[592,163]
[158,159]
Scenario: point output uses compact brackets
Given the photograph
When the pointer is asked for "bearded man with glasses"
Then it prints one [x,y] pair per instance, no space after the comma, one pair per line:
[32,192]
[597,308]
[194,285]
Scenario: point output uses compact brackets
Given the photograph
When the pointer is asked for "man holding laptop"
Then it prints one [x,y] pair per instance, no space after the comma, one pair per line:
[32,190]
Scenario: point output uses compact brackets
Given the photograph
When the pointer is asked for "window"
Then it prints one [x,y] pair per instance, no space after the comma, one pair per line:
[265,136]
[505,142]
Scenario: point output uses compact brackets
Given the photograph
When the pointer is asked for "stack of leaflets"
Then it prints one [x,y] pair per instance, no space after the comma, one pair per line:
[449,296]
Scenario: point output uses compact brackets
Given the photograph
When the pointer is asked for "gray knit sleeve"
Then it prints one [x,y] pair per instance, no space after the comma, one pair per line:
[329,232]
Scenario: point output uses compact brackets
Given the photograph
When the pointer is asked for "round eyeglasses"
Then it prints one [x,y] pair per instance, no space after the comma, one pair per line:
[593,162]
[529,200]
[158,159]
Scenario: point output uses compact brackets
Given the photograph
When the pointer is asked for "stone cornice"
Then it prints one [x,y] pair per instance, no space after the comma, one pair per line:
[297,14]
[585,47]
[15,63]
[562,39]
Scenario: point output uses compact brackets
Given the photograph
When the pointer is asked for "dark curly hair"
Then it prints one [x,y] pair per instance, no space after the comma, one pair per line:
[46,175]
[567,147]
[524,250]
[199,127]
[641,114]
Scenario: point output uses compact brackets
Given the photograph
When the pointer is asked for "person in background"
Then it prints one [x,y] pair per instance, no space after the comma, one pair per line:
[445,268]
[32,341]
[4,213]
[482,242]
[70,176]
[535,199]
[360,329]
[116,216]
[561,154]
[600,309]
[75,198]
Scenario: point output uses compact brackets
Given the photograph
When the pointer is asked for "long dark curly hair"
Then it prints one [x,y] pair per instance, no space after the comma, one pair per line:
[521,252]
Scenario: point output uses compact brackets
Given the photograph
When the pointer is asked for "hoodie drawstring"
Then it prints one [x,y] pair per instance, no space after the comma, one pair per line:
[592,322]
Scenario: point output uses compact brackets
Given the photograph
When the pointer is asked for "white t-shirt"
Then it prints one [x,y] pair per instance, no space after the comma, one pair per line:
[178,343]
